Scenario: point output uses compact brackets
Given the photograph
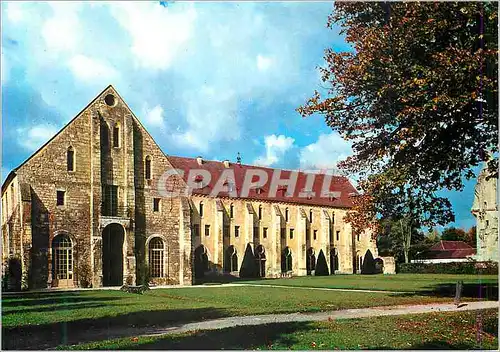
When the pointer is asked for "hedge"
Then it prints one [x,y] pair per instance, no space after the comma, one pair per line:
[485,268]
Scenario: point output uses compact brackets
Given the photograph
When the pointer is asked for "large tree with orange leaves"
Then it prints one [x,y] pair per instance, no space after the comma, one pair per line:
[417,97]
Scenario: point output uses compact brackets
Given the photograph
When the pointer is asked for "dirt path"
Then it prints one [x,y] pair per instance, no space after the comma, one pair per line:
[95,335]
[322,316]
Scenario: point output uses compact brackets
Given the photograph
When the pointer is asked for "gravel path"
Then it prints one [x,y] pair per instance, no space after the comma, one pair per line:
[321,316]
[214,324]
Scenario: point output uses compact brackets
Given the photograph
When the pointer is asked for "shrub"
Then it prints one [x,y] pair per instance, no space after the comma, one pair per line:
[368,266]
[472,267]
[248,266]
[321,266]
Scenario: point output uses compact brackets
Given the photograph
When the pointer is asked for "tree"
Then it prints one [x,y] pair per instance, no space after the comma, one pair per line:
[453,234]
[471,236]
[456,234]
[418,99]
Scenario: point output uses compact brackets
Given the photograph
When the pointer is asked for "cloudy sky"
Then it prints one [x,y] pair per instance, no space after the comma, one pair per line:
[209,79]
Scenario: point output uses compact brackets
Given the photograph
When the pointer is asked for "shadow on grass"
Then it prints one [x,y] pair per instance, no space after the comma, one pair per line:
[236,338]
[54,299]
[59,307]
[280,336]
[76,331]
[487,291]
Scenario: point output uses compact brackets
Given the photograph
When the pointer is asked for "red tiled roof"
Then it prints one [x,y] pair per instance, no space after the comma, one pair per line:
[450,246]
[338,183]
[450,249]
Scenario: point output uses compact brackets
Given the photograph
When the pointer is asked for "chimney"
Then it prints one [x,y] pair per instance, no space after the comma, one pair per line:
[226,163]
[199,160]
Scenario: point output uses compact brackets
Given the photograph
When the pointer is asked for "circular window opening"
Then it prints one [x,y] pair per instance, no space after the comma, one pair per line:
[110,100]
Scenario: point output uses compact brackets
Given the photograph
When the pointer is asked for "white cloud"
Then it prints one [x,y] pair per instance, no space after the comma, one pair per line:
[15,11]
[34,137]
[263,62]
[325,153]
[211,116]
[62,31]
[157,33]
[276,147]
[154,116]
[89,69]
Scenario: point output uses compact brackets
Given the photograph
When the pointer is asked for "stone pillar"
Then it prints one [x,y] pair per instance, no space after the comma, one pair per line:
[218,239]
[274,257]
[299,264]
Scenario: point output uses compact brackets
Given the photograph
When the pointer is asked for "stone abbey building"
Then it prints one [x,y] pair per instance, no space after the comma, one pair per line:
[85,210]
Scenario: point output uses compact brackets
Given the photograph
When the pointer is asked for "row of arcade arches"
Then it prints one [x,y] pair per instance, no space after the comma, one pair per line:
[231,260]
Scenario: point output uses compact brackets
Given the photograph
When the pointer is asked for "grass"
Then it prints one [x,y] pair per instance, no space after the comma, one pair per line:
[457,330]
[49,319]
[195,303]
[400,282]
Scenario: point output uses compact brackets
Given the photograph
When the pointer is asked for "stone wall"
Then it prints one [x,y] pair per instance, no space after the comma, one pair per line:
[217,232]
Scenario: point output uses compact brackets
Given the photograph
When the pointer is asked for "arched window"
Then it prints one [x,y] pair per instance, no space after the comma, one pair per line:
[231,262]
[310,216]
[286,260]
[116,135]
[147,168]
[311,261]
[156,253]
[201,209]
[260,258]
[231,211]
[70,159]
[62,250]
[260,212]
[286,214]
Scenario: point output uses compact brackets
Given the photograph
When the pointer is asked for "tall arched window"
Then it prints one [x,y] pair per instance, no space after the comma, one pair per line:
[260,212]
[147,168]
[231,262]
[70,159]
[116,135]
[62,250]
[156,253]
[201,209]
[286,260]
[286,214]
[231,211]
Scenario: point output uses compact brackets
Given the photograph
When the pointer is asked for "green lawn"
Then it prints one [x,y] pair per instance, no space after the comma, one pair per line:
[463,330]
[398,282]
[50,319]
[186,304]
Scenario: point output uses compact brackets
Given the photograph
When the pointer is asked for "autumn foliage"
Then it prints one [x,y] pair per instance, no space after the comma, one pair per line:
[417,97]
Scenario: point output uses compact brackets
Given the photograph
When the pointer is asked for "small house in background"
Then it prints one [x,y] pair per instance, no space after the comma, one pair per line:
[446,252]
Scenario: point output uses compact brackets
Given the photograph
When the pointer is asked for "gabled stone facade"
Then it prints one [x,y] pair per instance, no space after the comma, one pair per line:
[84,210]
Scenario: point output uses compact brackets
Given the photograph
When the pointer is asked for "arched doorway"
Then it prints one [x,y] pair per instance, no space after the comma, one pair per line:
[113,236]
[260,258]
[311,261]
[334,260]
[62,263]
[200,261]
[230,259]
[286,260]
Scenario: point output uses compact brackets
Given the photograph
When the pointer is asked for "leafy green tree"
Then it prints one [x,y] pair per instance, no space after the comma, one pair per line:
[457,234]
[417,97]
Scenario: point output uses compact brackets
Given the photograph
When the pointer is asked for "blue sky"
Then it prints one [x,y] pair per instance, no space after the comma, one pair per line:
[209,79]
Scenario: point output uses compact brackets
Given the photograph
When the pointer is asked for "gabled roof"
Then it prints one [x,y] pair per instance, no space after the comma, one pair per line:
[449,250]
[13,172]
[450,246]
[215,168]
